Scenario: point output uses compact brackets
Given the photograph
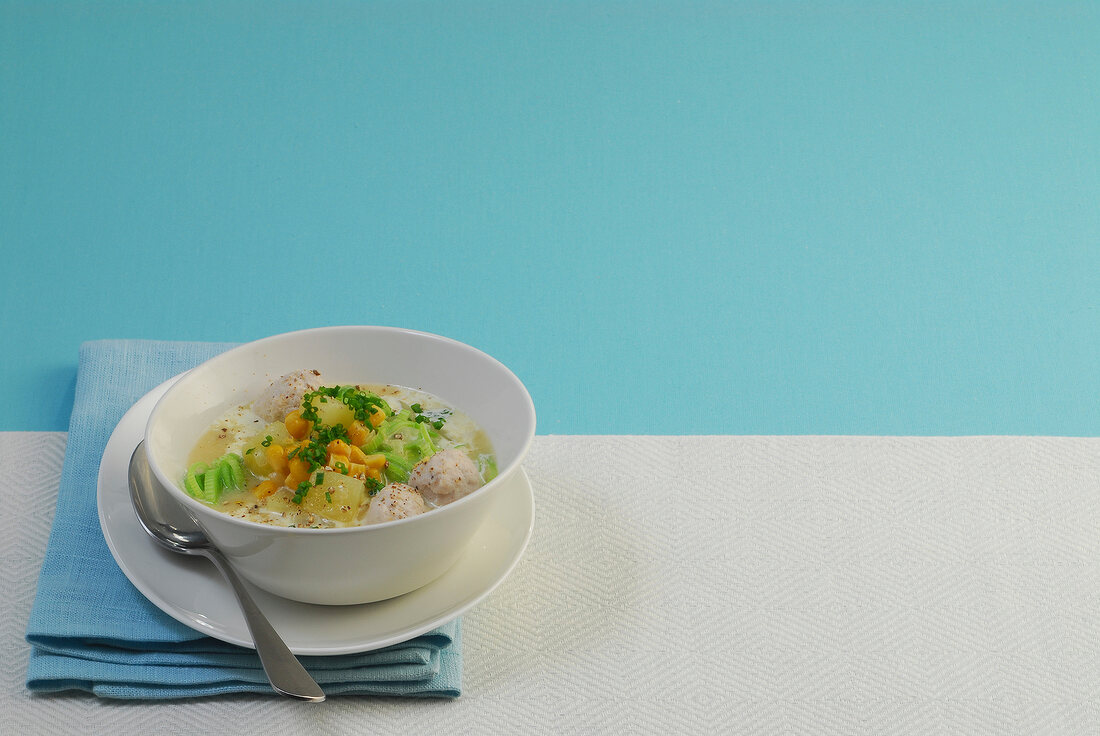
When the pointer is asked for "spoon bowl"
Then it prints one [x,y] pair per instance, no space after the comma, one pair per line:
[174,528]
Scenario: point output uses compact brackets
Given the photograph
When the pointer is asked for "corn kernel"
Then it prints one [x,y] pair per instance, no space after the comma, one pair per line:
[276,457]
[298,466]
[358,433]
[265,489]
[334,458]
[376,461]
[338,447]
[297,426]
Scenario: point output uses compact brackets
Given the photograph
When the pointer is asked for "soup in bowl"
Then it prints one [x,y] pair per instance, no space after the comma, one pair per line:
[321,457]
[342,465]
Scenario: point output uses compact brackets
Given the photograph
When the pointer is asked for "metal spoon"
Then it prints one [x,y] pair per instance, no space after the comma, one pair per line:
[174,527]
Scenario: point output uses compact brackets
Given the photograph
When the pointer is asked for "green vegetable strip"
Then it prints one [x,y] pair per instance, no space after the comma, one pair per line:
[390,428]
[409,453]
[426,440]
[193,482]
[236,469]
[225,474]
[384,441]
[397,468]
[394,459]
[211,486]
[375,443]
[191,485]
[489,468]
[206,482]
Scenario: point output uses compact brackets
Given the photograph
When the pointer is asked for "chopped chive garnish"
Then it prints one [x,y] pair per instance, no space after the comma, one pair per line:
[373,486]
[267,441]
[303,489]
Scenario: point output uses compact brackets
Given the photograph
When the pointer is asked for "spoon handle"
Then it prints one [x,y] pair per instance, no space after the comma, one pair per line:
[286,673]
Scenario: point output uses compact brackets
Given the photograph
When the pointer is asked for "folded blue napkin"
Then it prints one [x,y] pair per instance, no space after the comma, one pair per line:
[90,629]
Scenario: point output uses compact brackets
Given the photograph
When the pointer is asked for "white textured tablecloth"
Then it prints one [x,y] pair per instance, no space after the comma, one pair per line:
[754,585]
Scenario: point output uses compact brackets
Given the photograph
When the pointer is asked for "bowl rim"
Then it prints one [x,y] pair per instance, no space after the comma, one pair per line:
[180,495]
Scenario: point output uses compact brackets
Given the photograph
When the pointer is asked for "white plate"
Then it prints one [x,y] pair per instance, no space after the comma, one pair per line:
[191,591]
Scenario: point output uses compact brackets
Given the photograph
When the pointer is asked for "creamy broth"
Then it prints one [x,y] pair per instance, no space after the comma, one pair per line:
[307,454]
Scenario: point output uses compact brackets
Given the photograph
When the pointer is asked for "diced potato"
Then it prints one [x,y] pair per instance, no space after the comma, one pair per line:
[281,502]
[276,431]
[345,494]
[333,412]
[257,462]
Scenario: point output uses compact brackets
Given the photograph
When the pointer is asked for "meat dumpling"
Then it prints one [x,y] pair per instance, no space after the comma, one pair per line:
[395,501]
[285,395]
[446,476]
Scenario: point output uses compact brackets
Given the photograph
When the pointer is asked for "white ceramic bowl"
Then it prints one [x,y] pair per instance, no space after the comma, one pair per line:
[356,564]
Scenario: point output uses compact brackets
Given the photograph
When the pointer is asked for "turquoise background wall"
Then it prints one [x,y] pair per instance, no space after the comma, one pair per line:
[666,217]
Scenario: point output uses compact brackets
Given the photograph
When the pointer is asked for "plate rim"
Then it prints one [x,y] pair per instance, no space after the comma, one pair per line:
[129,431]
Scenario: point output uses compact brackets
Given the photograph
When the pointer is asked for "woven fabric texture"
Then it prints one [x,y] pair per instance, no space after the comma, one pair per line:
[825,585]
